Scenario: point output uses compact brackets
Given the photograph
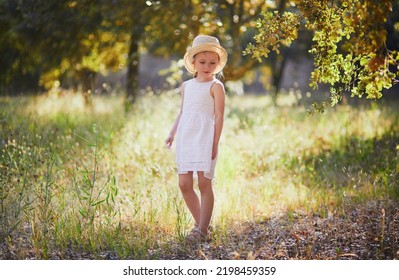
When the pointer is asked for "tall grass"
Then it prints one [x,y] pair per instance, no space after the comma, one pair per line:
[95,181]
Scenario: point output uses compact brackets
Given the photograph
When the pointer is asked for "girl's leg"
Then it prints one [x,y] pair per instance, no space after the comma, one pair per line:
[189,195]
[207,202]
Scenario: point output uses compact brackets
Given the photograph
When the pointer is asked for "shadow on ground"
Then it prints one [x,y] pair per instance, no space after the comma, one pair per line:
[367,232]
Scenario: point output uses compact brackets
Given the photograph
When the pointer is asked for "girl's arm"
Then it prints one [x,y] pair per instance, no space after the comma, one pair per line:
[219,97]
[171,137]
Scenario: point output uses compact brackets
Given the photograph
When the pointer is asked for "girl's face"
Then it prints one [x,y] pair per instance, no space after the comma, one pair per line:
[205,63]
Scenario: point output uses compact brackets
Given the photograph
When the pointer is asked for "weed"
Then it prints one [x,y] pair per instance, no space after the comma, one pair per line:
[44,214]
[113,187]
[96,195]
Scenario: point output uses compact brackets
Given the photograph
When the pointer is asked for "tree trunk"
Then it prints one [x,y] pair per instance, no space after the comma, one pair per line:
[132,81]
[87,78]
[277,64]
[132,86]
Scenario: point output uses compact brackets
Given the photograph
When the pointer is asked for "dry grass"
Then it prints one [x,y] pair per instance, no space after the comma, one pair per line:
[80,182]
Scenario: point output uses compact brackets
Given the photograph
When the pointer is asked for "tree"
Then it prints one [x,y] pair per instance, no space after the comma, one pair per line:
[233,22]
[131,18]
[58,40]
[66,41]
[349,47]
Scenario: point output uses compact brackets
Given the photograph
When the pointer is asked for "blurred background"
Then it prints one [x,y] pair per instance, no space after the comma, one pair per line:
[85,176]
[95,47]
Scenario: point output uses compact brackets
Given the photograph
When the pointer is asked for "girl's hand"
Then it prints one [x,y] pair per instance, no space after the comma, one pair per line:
[169,141]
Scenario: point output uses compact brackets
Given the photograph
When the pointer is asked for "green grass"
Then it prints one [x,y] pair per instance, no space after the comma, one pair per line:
[77,180]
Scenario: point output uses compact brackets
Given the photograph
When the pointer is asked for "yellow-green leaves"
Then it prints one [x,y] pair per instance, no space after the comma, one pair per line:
[348,47]
[274,30]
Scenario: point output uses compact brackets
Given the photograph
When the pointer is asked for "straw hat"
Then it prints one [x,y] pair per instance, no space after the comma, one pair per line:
[204,43]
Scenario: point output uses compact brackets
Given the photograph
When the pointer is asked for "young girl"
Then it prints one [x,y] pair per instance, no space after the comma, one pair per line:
[198,127]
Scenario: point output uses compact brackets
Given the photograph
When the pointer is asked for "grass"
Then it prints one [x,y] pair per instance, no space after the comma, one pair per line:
[79,182]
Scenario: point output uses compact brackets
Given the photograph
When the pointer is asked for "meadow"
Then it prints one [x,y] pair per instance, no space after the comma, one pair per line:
[94,182]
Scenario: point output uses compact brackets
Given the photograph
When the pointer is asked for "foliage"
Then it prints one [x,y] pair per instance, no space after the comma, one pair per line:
[96,192]
[73,190]
[67,43]
[42,34]
[231,21]
[62,42]
[348,44]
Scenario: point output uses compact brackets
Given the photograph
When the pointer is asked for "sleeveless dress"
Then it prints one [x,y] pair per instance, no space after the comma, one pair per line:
[196,129]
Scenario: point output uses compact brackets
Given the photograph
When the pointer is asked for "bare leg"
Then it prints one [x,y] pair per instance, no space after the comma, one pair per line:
[189,195]
[207,202]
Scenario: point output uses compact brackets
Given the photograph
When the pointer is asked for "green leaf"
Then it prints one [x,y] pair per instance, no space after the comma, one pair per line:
[364,61]
[97,202]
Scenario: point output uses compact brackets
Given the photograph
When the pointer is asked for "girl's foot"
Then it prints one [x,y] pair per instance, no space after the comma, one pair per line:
[197,236]
[210,228]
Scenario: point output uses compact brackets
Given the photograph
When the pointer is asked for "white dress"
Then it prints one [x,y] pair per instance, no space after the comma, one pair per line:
[196,129]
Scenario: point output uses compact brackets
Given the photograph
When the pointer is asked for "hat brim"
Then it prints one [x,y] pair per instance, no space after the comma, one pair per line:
[188,57]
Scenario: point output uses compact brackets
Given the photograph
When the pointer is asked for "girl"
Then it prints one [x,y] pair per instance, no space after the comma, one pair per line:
[198,127]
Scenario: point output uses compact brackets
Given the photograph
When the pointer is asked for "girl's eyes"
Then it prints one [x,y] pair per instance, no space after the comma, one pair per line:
[203,62]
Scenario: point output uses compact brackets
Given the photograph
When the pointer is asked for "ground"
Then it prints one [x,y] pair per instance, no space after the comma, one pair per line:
[362,232]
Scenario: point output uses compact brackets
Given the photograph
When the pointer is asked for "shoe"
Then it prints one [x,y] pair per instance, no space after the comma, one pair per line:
[197,236]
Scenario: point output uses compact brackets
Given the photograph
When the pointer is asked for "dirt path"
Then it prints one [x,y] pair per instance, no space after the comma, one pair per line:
[363,232]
